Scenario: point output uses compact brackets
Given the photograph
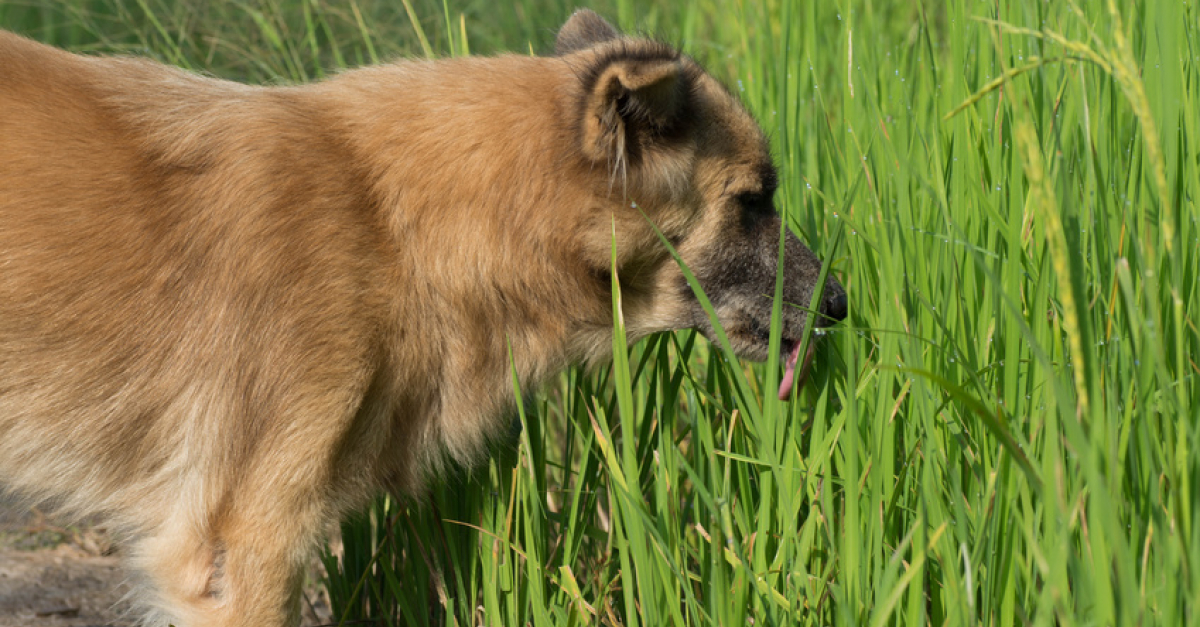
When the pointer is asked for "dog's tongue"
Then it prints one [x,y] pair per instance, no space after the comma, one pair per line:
[789,372]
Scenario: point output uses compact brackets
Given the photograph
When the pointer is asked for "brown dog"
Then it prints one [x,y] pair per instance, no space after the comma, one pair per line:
[229,314]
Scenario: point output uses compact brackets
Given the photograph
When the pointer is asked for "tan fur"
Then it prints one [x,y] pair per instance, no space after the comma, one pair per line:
[229,314]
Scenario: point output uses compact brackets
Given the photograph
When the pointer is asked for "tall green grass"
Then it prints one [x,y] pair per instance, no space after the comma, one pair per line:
[1004,431]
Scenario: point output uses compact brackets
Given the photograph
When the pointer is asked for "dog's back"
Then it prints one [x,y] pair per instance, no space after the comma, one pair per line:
[148,278]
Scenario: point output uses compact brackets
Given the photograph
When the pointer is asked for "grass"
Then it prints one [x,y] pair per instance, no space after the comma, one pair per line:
[1004,431]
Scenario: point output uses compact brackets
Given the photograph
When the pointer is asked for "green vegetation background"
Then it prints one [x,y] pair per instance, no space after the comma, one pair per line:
[1004,432]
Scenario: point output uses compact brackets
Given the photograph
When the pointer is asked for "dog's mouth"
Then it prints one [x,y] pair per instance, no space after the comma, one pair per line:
[752,343]
[790,373]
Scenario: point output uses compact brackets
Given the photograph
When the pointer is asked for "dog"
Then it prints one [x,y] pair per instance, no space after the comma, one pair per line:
[231,314]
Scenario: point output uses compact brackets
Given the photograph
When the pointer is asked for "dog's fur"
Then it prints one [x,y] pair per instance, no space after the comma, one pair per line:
[230,314]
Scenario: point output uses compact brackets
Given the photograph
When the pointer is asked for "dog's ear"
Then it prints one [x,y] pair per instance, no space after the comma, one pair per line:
[583,30]
[633,97]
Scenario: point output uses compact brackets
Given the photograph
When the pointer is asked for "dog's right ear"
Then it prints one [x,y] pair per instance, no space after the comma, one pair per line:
[583,30]
[631,99]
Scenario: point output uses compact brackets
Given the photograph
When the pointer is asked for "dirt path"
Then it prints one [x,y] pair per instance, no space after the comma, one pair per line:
[60,587]
[54,576]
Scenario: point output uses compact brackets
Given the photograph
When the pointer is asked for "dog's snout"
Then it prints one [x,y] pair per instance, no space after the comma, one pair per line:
[835,307]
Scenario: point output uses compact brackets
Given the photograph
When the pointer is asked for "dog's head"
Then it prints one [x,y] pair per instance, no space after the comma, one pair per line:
[665,142]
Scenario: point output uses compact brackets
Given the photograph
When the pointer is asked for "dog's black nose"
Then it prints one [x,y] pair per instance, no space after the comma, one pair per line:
[835,307]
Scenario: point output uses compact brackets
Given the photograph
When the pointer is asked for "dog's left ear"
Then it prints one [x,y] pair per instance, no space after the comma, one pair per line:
[633,98]
[583,30]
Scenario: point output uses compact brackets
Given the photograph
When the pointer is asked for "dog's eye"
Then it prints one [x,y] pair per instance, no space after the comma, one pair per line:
[756,202]
[755,206]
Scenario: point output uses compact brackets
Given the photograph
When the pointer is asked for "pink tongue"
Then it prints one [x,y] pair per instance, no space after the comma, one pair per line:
[789,373]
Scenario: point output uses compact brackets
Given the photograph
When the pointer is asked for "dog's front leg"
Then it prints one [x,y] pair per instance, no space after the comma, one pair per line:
[244,567]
